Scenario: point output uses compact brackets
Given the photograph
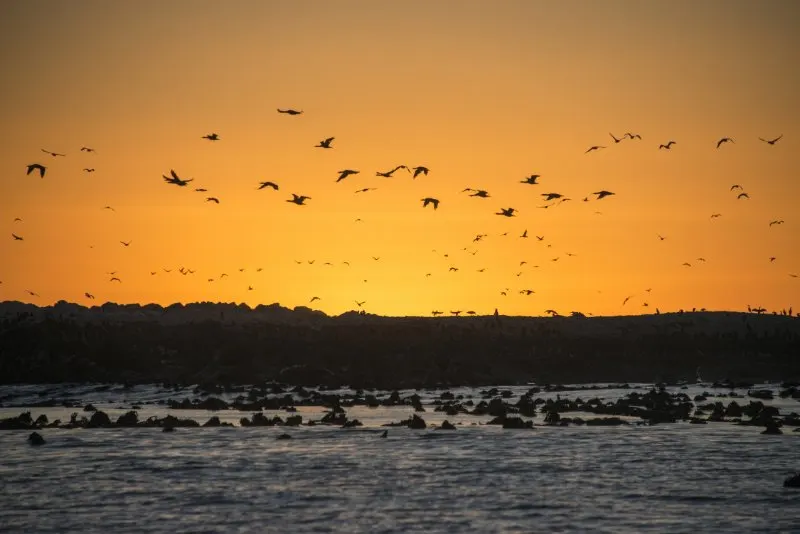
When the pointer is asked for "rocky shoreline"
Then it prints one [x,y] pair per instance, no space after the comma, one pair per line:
[233,344]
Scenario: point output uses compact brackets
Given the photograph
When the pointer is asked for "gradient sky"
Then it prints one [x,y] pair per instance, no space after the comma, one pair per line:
[482,93]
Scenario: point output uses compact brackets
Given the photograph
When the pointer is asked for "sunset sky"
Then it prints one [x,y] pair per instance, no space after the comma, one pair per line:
[484,94]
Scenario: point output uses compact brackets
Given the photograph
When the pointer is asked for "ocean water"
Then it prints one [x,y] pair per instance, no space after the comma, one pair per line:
[719,477]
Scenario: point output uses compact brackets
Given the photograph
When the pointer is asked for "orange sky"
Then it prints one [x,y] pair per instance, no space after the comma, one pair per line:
[482,93]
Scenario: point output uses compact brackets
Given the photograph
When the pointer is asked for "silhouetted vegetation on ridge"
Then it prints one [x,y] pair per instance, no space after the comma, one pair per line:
[225,343]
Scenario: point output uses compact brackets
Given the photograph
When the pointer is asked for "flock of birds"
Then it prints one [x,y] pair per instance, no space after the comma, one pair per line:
[550,199]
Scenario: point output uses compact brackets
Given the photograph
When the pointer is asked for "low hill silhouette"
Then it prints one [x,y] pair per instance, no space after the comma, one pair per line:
[233,343]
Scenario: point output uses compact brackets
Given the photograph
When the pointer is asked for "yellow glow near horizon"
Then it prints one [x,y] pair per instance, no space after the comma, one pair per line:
[482,94]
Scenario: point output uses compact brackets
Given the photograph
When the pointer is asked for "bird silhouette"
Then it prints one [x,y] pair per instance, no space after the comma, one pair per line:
[453,269]
[779,221]
[211,137]
[661,237]
[436,312]
[735,186]
[298,199]
[313,299]
[614,138]
[326,143]
[17,219]
[345,173]
[724,140]
[715,215]
[524,234]
[366,189]
[772,259]
[527,292]
[420,170]
[263,185]
[54,154]
[31,293]
[602,194]
[37,167]
[626,300]
[359,304]
[212,199]
[290,111]
[201,190]
[126,243]
[376,258]
[175,179]
[595,147]
[88,169]
[388,174]
[531,180]
[506,212]
[540,238]
[115,279]
[87,149]
[17,238]
[743,195]
[632,136]
[89,296]
[667,146]
[480,193]
[551,196]
[430,200]
[109,208]
[772,141]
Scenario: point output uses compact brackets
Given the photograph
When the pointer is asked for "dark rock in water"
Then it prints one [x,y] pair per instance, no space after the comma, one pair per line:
[168,429]
[21,422]
[447,425]
[698,421]
[284,436]
[385,433]
[516,423]
[41,420]
[99,420]
[765,394]
[791,482]
[773,427]
[36,439]
[352,424]
[552,418]
[294,420]
[89,408]
[128,419]
[417,422]
[214,421]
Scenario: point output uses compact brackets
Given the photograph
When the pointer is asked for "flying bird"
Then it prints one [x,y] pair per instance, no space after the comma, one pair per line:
[89,296]
[17,238]
[551,196]
[661,237]
[115,279]
[88,169]
[37,167]
[290,111]
[772,259]
[772,141]
[388,174]
[743,195]
[632,136]
[345,173]
[506,212]
[211,137]
[54,154]
[602,194]
[366,189]
[298,199]
[430,200]
[524,234]
[31,293]
[715,215]
[17,219]
[480,193]
[615,139]
[201,190]
[626,300]
[724,140]
[263,185]
[359,304]
[735,186]
[87,149]
[212,199]
[595,147]
[779,221]
[667,146]
[420,170]
[126,243]
[530,180]
[326,143]
[175,179]
[313,299]
[109,208]
[527,292]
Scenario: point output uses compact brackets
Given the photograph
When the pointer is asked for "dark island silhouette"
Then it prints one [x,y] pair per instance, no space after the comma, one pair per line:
[236,344]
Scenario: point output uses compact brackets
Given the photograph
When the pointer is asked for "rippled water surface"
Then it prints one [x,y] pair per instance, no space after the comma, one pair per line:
[677,477]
